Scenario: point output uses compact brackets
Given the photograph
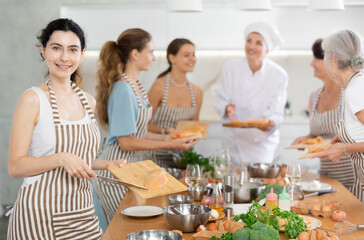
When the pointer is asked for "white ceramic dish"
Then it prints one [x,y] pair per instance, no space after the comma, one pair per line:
[306,186]
[311,222]
[143,211]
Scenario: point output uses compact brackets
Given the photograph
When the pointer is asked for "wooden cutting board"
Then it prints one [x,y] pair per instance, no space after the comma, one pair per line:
[182,124]
[136,173]
[303,146]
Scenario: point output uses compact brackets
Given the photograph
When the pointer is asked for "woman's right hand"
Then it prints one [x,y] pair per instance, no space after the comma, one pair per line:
[300,139]
[75,166]
[183,143]
[230,111]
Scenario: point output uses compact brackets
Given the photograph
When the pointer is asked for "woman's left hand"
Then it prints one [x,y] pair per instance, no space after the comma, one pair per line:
[118,163]
[333,153]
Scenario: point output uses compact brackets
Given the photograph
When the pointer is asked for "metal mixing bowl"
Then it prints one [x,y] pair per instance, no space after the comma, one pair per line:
[175,172]
[263,170]
[179,199]
[197,192]
[154,235]
[248,191]
[190,218]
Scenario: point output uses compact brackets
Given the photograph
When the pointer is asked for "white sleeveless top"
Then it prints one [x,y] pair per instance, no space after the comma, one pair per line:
[43,140]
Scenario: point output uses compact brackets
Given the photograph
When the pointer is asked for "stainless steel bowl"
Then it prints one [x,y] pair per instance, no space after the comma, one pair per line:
[248,191]
[154,235]
[175,172]
[263,170]
[197,192]
[190,218]
[179,199]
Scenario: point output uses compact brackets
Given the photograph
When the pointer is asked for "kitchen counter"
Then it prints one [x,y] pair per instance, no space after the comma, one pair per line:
[120,226]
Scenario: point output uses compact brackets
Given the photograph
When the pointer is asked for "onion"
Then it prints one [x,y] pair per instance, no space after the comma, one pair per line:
[206,200]
[338,215]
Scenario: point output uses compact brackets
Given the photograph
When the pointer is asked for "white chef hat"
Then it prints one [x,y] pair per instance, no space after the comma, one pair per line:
[268,31]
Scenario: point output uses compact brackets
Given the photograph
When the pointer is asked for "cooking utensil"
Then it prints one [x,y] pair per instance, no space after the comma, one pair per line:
[264,170]
[344,227]
[154,235]
[175,211]
[191,216]
[248,191]
[119,182]
[179,199]
[301,196]
[175,172]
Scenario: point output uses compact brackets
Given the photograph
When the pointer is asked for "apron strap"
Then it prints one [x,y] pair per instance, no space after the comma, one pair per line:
[166,89]
[56,118]
[80,94]
[192,94]
[141,89]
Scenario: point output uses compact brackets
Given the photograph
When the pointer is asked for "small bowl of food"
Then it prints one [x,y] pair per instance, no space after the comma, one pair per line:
[197,192]
[154,235]
[186,217]
[180,199]
[263,170]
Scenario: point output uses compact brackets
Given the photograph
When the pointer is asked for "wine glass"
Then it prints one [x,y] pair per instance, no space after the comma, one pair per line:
[294,175]
[193,175]
[221,162]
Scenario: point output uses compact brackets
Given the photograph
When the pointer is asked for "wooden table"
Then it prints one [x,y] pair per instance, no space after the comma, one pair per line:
[120,225]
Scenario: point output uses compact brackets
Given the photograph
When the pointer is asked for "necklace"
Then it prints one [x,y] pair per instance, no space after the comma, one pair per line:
[178,84]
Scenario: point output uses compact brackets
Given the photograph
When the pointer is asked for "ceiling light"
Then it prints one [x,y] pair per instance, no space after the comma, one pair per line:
[185,5]
[254,5]
[326,5]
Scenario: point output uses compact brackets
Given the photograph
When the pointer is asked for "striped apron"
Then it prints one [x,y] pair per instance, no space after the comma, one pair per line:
[324,124]
[59,206]
[357,158]
[110,195]
[167,117]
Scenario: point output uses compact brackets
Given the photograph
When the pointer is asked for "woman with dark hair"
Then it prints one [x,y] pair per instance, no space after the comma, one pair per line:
[173,97]
[53,145]
[325,110]
[123,109]
[344,61]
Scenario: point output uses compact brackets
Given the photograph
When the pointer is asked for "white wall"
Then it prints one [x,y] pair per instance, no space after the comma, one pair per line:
[219,26]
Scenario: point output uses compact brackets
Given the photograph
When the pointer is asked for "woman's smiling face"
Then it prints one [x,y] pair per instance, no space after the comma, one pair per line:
[63,54]
[255,47]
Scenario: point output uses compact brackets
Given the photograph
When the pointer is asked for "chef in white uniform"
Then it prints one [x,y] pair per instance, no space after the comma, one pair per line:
[253,88]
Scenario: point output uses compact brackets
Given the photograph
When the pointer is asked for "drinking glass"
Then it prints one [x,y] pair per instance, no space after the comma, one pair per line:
[221,162]
[294,176]
[193,175]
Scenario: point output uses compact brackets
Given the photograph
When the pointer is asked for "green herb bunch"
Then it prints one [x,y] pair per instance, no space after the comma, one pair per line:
[191,157]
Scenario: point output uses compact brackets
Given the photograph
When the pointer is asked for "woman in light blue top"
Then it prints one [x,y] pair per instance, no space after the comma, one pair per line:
[123,109]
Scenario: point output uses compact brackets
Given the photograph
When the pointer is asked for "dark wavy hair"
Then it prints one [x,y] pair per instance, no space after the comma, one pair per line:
[62,24]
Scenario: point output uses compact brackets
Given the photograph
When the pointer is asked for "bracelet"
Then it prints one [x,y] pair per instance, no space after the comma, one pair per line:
[344,148]
[163,131]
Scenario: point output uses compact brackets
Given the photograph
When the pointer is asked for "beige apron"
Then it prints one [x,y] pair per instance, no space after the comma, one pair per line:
[325,124]
[357,158]
[167,117]
[59,206]
[111,195]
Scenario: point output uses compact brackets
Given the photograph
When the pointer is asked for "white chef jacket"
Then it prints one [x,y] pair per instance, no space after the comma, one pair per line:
[257,96]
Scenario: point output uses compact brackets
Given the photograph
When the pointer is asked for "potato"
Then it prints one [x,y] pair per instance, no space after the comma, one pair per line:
[233,229]
[326,208]
[304,236]
[227,225]
[212,227]
[317,206]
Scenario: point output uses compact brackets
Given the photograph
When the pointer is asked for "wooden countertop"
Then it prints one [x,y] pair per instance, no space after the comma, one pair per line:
[120,226]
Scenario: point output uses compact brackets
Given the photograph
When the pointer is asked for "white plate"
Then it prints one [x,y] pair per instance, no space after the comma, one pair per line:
[142,211]
[305,186]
